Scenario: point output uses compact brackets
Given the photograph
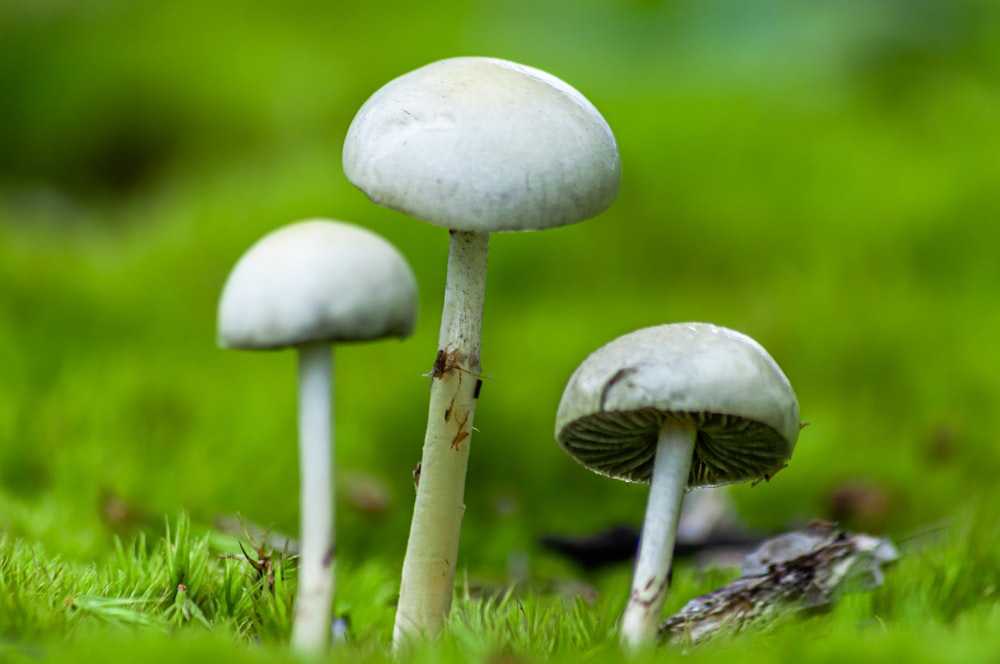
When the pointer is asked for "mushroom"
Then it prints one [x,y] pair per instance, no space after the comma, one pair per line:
[678,406]
[309,285]
[478,146]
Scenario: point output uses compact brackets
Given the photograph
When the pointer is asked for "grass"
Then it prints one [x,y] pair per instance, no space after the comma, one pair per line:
[162,586]
[817,177]
[939,603]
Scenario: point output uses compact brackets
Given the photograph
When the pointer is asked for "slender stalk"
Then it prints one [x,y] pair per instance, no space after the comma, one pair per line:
[671,466]
[428,579]
[313,605]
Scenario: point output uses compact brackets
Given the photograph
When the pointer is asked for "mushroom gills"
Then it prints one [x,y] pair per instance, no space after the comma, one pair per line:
[618,444]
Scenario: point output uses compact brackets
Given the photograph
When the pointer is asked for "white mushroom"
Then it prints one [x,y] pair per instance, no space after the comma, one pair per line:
[308,285]
[475,145]
[678,406]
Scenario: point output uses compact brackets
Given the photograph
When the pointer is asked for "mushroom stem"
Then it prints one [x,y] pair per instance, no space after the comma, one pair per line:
[313,606]
[428,577]
[671,466]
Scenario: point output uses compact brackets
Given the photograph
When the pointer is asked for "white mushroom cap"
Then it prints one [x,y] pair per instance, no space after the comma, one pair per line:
[722,381]
[314,281]
[480,144]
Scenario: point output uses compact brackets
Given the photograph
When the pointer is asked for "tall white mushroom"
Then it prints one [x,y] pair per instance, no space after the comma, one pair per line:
[679,406]
[309,285]
[478,146]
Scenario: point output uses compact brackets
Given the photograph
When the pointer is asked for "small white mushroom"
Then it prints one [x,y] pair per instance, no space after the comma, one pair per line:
[478,146]
[306,286]
[679,406]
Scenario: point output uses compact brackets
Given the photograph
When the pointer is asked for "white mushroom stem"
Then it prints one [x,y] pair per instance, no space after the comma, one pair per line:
[671,466]
[428,579]
[313,605]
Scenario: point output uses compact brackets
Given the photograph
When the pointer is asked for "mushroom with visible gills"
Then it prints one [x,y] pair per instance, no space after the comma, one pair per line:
[307,286]
[477,146]
[678,406]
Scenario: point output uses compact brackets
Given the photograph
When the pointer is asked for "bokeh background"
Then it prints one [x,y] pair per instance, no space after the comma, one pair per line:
[823,176]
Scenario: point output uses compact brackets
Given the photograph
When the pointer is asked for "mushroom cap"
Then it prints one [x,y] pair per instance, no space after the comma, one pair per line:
[723,382]
[481,144]
[316,281]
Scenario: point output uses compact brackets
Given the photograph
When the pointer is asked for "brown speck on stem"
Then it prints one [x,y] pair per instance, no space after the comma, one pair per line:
[660,590]
[462,434]
[438,369]
[444,363]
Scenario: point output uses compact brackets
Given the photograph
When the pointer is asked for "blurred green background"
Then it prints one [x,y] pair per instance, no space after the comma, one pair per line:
[823,176]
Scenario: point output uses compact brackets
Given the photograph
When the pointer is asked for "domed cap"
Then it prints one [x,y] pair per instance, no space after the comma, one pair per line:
[480,144]
[317,280]
[723,382]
